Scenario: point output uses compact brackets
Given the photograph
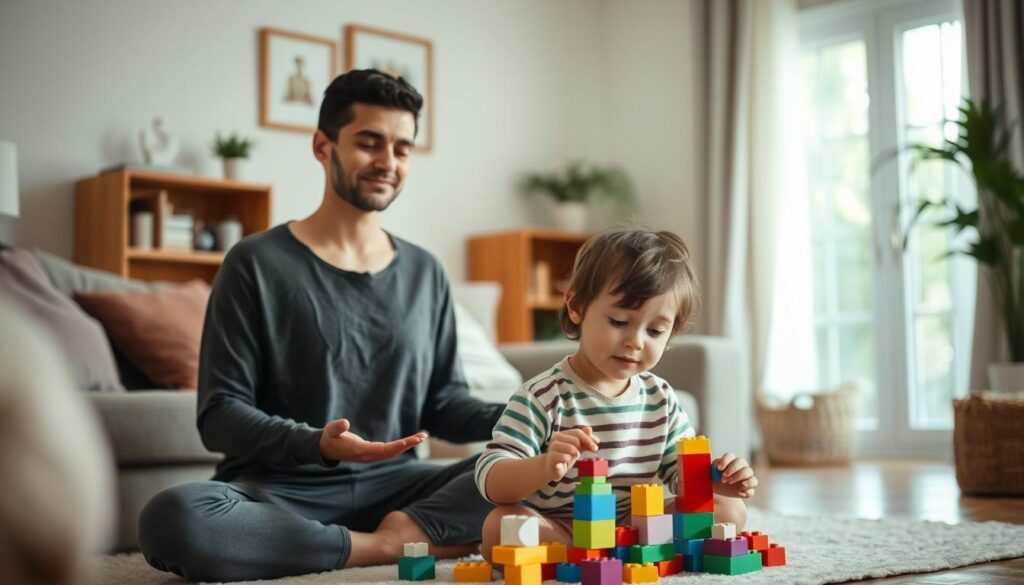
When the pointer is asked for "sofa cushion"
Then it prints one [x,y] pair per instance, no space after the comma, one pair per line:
[69,278]
[159,330]
[157,427]
[24,284]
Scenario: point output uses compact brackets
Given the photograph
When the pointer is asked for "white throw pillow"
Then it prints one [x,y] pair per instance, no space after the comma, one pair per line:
[484,366]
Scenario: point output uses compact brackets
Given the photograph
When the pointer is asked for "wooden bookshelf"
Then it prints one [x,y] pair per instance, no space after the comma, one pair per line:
[103,205]
[531,294]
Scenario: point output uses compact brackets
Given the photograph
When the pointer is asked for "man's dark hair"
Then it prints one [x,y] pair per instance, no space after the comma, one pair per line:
[365,86]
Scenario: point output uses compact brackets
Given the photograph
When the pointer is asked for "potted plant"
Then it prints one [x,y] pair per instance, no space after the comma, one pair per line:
[232,149]
[997,221]
[576,186]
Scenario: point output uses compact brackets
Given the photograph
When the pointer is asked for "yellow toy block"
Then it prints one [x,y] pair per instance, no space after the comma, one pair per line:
[519,555]
[557,552]
[593,533]
[473,573]
[633,573]
[524,575]
[693,445]
[647,499]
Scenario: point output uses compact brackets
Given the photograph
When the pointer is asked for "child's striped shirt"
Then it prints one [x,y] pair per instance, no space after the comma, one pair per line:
[638,431]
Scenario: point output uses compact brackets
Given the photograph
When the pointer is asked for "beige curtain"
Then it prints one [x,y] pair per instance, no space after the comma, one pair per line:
[749,59]
[995,57]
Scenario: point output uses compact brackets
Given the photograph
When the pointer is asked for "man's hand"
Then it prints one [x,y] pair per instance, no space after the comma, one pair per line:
[338,444]
[738,479]
[565,448]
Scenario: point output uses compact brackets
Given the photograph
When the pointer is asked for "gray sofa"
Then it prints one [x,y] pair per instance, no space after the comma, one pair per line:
[156,444]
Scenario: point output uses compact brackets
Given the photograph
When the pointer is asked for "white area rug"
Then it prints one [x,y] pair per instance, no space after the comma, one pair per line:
[821,549]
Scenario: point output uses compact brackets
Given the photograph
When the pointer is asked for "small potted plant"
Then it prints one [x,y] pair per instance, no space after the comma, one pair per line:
[232,150]
[574,188]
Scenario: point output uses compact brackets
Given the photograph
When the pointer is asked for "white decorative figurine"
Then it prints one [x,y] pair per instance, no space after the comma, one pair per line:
[159,146]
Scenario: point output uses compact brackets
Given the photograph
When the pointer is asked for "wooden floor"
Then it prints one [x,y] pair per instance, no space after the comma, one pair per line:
[923,491]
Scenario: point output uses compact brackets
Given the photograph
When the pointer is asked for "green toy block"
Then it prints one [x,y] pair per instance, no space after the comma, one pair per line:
[642,554]
[416,568]
[594,489]
[592,479]
[740,565]
[695,525]
[593,533]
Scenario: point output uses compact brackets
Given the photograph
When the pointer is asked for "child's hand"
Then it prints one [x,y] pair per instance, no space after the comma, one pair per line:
[565,448]
[738,479]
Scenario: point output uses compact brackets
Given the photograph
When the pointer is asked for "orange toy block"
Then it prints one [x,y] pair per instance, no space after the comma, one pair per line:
[755,540]
[773,556]
[633,573]
[673,567]
[647,499]
[519,555]
[473,573]
[693,445]
[556,552]
[523,574]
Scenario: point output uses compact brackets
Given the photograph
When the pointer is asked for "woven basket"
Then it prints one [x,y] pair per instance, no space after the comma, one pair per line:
[988,443]
[824,433]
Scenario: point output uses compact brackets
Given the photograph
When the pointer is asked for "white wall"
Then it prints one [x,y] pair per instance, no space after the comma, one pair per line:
[519,84]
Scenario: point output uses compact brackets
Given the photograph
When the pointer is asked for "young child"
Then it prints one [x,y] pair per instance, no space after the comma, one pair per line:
[629,292]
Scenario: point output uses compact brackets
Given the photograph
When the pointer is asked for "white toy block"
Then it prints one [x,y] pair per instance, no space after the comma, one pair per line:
[723,531]
[415,549]
[520,531]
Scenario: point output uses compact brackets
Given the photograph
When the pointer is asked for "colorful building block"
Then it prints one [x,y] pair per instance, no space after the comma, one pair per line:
[619,552]
[689,526]
[594,507]
[414,549]
[693,445]
[577,555]
[653,529]
[723,531]
[601,572]
[520,530]
[694,547]
[673,567]
[567,573]
[592,479]
[731,547]
[773,556]
[548,571]
[651,553]
[693,564]
[755,540]
[626,536]
[523,575]
[647,499]
[556,552]
[473,573]
[716,474]
[739,565]
[634,573]
[593,533]
[593,489]
[416,568]
[592,467]
[519,555]
[695,494]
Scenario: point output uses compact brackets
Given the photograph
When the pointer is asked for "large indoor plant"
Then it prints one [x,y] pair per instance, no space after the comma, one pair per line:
[997,222]
[573,188]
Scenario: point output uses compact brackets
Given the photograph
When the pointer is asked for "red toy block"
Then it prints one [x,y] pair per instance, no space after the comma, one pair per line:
[596,467]
[673,567]
[695,484]
[548,571]
[755,540]
[773,556]
[578,555]
[626,536]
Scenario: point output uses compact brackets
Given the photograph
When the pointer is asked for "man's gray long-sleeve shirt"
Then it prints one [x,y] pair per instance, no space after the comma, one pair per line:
[292,342]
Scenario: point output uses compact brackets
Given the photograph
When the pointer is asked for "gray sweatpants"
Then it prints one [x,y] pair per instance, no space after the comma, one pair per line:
[244,530]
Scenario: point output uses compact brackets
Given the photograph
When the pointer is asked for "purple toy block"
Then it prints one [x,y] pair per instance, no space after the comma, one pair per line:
[730,547]
[653,529]
[601,572]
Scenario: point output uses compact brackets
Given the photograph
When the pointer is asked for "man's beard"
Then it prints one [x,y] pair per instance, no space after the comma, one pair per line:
[351,193]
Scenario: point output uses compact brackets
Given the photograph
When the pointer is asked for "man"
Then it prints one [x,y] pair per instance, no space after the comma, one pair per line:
[329,346]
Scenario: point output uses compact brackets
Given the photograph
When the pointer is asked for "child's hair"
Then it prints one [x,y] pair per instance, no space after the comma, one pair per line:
[640,264]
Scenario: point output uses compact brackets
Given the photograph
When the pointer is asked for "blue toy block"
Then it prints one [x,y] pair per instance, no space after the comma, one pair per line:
[716,475]
[693,564]
[416,568]
[567,573]
[620,552]
[596,507]
[692,547]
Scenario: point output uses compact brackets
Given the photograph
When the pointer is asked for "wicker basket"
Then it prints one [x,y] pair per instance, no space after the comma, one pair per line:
[823,433]
[988,443]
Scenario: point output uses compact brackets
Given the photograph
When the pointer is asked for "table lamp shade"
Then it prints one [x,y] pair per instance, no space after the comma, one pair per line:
[8,179]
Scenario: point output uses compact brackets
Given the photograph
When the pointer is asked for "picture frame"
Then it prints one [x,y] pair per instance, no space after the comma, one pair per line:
[398,54]
[295,69]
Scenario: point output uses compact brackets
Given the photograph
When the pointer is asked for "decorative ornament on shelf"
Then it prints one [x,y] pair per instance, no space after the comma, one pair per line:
[573,189]
[233,150]
[158,144]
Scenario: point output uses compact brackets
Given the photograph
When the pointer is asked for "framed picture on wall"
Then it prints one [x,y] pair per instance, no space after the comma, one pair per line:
[295,69]
[400,55]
